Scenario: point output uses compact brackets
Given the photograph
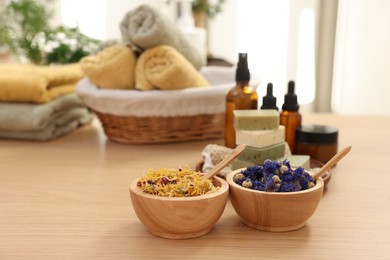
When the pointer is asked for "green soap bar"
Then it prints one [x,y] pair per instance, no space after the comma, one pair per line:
[297,161]
[264,119]
[238,164]
[259,155]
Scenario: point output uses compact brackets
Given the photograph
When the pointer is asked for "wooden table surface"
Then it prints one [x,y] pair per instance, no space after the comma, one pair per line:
[69,199]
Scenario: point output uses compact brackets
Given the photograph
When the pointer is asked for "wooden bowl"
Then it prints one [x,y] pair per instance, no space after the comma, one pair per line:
[179,217]
[274,211]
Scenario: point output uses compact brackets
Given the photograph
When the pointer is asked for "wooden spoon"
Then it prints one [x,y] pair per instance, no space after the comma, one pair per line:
[332,162]
[222,164]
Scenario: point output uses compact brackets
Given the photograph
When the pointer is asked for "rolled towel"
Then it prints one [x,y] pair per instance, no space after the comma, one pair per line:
[145,27]
[163,67]
[111,68]
[33,117]
[38,84]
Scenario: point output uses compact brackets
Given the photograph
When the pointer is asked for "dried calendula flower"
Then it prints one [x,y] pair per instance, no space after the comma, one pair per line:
[175,183]
[275,176]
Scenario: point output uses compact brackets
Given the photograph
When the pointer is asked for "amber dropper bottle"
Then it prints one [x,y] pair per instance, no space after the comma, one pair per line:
[241,96]
[290,116]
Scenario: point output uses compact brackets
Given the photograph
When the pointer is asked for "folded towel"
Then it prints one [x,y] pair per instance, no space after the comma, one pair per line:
[62,125]
[163,67]
[31,117]
[38,84]
[113,67]
[145,27]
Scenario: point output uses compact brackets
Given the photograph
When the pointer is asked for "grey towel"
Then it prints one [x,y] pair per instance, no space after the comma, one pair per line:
[32,117]
[66,123]
[146,27]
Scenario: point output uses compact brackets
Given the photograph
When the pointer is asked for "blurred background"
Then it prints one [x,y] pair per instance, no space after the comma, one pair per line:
[335,50]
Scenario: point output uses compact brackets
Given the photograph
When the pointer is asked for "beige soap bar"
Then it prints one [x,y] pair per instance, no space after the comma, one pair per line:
[264,119]
[261,138]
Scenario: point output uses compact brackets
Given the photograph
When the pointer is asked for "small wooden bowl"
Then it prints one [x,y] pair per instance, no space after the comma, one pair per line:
[274,211]
[179,217]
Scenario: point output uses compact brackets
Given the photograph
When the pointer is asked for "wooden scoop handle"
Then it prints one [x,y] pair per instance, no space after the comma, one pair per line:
[332,162]
[216,169]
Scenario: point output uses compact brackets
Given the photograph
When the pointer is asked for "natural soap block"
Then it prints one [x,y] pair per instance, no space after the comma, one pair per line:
[297,161]
[257,155]
[264,119]
[238,164]
[260,138]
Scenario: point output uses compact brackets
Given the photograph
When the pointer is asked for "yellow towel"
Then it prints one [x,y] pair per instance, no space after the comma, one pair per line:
[163,67]
[111,68]
[37,84]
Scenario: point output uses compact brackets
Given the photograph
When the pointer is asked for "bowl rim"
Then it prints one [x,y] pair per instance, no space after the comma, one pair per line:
[229,180]
[223,189]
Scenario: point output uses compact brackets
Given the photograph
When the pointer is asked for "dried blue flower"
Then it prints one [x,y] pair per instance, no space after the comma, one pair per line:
[288,187]
[270,185]
[287,163]
[274,176]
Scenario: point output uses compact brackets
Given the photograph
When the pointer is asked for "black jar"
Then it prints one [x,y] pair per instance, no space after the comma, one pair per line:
[320,142]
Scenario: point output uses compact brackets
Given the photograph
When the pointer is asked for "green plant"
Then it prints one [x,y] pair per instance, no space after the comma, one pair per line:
[26,33]
[68,45]
[211,8]
[20,24]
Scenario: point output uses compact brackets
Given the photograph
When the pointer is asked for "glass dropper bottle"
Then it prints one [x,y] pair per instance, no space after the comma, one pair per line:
[241,96]
[290,116]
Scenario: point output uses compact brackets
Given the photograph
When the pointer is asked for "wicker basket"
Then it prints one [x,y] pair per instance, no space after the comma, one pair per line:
[134,117]
[151,130]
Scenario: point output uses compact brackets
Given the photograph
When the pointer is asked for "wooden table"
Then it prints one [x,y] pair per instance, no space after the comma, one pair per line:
[69,199]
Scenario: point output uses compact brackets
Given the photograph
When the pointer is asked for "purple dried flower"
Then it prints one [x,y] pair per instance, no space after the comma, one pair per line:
[270,185]
[287,176]
[275,176]
[287,163]
[288,187]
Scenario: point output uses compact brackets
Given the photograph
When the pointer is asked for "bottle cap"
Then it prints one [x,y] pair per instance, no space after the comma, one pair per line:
[242,71]
[290,99]
[269,101]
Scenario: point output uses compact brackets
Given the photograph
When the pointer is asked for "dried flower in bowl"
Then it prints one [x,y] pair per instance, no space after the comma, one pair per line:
[178,204]
[274,176]
[175,183]
[273,196]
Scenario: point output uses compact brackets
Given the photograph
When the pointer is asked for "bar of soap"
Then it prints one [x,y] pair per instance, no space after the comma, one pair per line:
[257,155]
[297,161]
[261,138]
[264,119]
[238,164]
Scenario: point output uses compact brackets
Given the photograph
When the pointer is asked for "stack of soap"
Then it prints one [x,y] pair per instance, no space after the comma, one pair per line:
[261,132]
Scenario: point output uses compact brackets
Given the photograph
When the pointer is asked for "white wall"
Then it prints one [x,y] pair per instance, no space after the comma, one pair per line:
[222,33]
[361,83]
